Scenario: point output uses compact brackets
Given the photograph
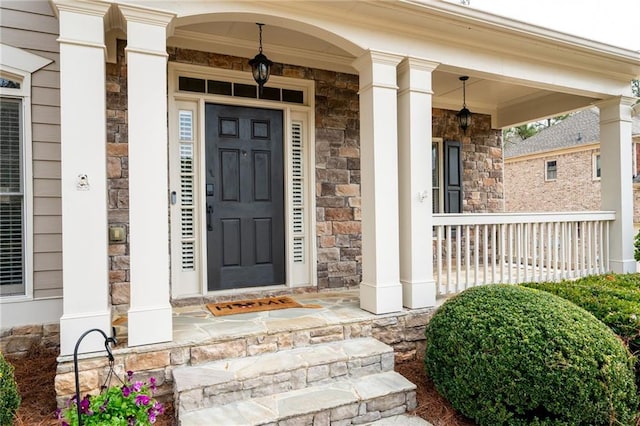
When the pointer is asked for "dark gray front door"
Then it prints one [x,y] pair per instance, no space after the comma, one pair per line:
[244,195]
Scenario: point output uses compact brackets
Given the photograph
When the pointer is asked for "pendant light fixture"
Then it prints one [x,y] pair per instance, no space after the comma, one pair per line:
[464,115]
[260,65]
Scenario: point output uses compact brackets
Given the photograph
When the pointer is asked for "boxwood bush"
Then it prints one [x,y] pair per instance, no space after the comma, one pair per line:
[9,395]
[612,298]
[509,355]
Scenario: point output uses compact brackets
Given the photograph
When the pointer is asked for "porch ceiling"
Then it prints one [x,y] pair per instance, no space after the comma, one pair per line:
[507,102]
[511,85]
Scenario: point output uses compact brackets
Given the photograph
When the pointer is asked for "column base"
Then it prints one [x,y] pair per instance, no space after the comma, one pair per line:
[72,327]
[150,325]
[623,266]
[418,294]
[381,299]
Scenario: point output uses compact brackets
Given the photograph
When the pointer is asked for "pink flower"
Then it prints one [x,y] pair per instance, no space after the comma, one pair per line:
[126,391]
[142,400]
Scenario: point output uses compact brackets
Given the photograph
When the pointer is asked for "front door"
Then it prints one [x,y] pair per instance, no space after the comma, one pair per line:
[244,195]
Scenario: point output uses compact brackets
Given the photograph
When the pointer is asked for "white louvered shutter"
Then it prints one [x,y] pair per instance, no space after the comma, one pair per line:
[297,172]
[187,176]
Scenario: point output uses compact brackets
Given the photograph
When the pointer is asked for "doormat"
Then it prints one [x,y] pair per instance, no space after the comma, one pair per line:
[255,305]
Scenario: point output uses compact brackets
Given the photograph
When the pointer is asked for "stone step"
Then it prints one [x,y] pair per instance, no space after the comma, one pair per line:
[224,381]
[355,400]
[401,420]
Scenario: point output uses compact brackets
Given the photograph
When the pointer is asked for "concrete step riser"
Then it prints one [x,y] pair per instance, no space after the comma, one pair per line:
[220,383]
[362,413]
[347,402]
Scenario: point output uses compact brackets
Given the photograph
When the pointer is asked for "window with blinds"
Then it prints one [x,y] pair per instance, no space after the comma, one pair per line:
[11,199]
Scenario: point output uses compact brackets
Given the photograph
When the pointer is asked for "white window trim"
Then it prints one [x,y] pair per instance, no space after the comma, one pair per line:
[594,166]
[546,176]
[18,64]
[196,284]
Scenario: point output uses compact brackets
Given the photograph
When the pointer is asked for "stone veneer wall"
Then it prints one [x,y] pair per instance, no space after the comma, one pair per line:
[404,331]
[17,341]
[482,164]
[337,167]
[118,176]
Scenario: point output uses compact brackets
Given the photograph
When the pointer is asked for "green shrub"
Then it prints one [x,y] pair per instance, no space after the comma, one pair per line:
[637,247]
[10,400]
[613,298]
[508,355]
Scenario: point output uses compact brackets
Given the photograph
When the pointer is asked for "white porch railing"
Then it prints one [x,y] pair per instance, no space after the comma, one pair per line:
[476,249]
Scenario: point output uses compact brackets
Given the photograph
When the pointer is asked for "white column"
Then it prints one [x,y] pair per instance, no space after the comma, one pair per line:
[414,155]
[85,271]
[380,290]
[617,175]
[149,317]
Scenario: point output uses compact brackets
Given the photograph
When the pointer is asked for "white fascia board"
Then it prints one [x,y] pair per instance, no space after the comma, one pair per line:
[20,59]
[521,28]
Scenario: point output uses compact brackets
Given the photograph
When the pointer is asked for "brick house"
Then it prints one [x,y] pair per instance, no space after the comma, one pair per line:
[147,172]
[560,167]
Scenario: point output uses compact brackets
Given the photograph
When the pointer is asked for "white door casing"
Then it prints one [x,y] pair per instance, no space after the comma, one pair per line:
[186,177]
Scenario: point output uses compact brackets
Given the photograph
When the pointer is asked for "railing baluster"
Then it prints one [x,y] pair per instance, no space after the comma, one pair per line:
[590,249]
[448,236]
[441,283]
[467,254]
[563,250]
[476,238]
[510,255]
[458,242]
[485,254]
[600,247]
[576,247]
[607,247]
[549,250]
[503,249]
[493,252]
[534,251]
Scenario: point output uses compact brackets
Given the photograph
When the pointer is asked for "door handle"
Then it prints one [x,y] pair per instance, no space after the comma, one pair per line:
[209,212]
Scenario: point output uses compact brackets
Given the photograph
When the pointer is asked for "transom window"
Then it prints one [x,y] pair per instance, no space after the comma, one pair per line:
[241,90]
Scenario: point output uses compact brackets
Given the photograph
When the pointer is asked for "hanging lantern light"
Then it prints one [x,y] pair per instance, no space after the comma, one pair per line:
[464,115]
[260,65]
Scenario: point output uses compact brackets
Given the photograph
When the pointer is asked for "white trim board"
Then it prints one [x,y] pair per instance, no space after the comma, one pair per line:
[193,281]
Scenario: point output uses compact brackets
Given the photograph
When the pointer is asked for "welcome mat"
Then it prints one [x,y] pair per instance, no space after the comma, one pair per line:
[255,305]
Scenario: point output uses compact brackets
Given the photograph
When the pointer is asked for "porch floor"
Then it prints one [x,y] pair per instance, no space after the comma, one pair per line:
[194,324]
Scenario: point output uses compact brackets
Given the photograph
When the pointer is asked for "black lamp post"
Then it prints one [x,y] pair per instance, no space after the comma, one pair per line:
[464,115]
[260,65]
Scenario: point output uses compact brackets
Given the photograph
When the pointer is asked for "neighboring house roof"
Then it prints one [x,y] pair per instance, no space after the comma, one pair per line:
[580,128]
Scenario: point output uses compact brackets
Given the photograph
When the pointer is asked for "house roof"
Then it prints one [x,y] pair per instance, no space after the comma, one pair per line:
[581,128]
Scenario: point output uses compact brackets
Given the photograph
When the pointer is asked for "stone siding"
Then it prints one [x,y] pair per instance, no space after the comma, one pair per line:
[482,165]
[337,168]
[17,341]
[404,331]
[574,189]
[118,177]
